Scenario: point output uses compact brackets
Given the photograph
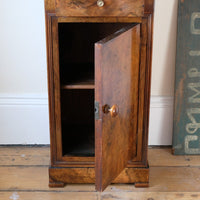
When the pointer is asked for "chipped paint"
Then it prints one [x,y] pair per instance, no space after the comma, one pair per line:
[186,136]
[194,30]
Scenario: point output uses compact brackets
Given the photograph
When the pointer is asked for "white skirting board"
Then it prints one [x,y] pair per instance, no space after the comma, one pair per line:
[24,119]
[161,120]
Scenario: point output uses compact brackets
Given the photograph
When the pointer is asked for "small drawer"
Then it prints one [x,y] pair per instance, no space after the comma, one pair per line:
[103,8]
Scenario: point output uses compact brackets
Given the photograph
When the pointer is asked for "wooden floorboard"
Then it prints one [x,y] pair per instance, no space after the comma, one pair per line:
[24,155]
[149,196]
[48,196]
[162,179]
[24,175]
[164,157]
[98,196]
[40,156]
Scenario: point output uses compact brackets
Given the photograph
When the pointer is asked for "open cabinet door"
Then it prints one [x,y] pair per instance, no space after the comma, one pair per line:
[116,95]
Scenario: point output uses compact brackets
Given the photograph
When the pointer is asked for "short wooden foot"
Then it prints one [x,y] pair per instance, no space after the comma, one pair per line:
[137,185]
[53,184]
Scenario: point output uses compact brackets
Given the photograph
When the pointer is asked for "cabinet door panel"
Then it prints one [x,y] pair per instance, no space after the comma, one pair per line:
[116,90]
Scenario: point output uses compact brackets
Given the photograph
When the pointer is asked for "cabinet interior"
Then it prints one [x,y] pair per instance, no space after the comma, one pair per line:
[76,57]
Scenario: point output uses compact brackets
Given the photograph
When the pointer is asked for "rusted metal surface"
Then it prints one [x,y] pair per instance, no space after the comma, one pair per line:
[186,136]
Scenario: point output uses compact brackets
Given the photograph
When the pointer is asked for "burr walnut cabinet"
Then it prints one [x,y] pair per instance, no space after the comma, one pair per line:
[99,69]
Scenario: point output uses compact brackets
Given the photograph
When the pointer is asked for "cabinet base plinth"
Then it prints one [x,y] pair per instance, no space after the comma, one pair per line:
[139,176]
[53,184]
[138,185]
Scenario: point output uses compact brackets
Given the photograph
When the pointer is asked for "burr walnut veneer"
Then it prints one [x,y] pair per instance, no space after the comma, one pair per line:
[99,69]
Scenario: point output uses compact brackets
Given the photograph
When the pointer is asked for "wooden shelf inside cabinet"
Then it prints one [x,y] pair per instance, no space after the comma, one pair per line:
[84,84]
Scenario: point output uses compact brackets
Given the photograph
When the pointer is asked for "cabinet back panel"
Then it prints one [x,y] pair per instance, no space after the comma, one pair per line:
[76,48]
[76,58]
[77,122]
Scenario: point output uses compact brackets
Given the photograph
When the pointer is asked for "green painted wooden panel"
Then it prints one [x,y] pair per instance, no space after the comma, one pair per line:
[186,134]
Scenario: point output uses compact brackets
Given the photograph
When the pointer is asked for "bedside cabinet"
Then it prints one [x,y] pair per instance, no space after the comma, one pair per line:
[99,71]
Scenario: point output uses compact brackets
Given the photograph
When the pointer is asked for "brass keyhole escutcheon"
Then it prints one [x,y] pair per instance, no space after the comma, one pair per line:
[114,110]
[100,3]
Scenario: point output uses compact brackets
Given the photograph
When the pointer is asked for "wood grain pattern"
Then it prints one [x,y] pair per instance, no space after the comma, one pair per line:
[24,156]
[121,8]
[57,135]
[30,182]
[87,84]
[134,11]
[113,19]
[50,83]
[150,196]
[157,157]
[149,26]
[48,195]
[101,196]
[53,184]
[148,6]
[133,8]
[39,156]
[50,6]
[144,93]
[162,179]
[118,58]
[87,175]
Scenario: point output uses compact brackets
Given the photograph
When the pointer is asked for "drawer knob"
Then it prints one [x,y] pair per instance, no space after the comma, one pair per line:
[100,3]
[114,110]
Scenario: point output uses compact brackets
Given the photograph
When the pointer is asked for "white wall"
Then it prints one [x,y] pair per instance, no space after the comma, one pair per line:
[164,47]
[23,76]
[22,47]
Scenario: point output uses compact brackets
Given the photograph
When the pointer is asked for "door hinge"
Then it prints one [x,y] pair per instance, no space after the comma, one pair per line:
[96,109]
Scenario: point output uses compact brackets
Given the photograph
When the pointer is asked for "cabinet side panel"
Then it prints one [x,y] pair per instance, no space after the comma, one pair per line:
[56,83]
[143,98]
[148,6]
[148,87]
[53,87]
[50,84]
